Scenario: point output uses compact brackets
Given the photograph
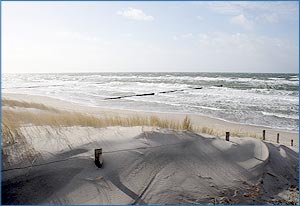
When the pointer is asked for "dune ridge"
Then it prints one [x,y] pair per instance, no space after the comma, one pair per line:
[141,165]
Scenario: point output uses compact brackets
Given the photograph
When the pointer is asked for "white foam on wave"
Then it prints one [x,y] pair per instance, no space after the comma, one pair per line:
[276,78]
[209,108]
[296,117]
[214,101]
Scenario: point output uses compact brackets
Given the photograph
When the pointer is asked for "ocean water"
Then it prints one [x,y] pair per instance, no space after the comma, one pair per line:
[269,100]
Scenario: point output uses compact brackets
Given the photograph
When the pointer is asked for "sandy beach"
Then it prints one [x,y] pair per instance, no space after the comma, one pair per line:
[145,165]
[220,126]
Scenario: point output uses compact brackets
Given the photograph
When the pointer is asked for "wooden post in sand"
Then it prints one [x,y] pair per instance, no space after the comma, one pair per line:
[227,136]
[98,157]
[264,134]
[292,142]
[277,137]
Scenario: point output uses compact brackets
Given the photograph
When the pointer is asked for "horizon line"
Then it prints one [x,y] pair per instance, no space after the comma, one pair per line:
[81,72]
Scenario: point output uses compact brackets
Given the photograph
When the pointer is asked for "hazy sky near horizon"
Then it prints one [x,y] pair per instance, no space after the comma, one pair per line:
[150,37]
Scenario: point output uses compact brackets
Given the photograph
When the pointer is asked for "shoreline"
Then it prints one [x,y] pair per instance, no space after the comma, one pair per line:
[197,120]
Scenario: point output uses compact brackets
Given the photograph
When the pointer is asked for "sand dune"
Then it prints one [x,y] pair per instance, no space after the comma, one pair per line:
[144,165]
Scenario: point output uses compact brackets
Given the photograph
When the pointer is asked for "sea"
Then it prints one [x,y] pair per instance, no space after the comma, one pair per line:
[263,99]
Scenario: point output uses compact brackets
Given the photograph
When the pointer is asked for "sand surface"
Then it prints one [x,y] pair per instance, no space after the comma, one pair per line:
[143,165]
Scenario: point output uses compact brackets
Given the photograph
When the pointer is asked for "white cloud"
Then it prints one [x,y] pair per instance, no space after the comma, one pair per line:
[241,20]
[135,14]
[183,36]
[129,35]
[268,18]
[187,36]
[248,51]
[289,8]
[225,7]
[267,12]
[200,18]
[236,52]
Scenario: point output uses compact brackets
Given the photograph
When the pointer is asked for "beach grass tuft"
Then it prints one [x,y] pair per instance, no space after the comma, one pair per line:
[207,130]
[15,103]
[187,124]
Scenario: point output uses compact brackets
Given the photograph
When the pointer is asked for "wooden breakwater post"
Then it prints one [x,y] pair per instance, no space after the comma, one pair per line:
[264,134]
[292,142]
[227,136]
[98,157]
[277,137]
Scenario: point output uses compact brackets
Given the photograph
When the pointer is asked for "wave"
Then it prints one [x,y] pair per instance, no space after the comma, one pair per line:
[275,94]
[172,78]
[276,78]
[295,117]
[209,108]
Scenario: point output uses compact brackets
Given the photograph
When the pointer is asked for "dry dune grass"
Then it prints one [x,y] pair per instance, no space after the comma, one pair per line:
[12,120]
[17,118]
[208,130]
[15,103]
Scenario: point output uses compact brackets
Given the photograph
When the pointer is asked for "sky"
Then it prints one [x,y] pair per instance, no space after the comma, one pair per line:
[44,37]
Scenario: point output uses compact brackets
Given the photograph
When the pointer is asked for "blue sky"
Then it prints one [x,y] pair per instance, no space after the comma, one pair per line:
[150,36]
